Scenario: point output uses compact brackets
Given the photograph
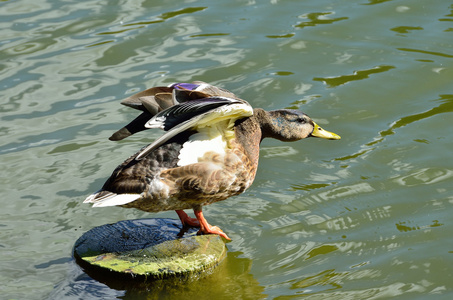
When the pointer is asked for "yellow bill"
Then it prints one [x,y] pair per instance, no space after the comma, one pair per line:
[324,134]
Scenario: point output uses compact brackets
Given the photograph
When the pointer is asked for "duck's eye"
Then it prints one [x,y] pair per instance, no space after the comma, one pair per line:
[301,120]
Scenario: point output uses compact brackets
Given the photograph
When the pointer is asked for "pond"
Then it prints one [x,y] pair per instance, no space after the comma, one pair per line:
[366,217]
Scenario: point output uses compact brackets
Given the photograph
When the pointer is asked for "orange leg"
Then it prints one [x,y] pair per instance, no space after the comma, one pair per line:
[186,220]
[206,228]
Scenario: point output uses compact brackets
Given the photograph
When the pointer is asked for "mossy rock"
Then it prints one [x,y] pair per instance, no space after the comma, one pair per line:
[148,249]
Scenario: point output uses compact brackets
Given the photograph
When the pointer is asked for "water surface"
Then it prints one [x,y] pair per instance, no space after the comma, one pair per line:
[367,217]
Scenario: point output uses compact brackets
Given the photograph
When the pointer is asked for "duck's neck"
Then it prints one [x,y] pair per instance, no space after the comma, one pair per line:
[266,123]
[249,135]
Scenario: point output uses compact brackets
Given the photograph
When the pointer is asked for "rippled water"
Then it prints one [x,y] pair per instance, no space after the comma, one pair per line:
[367,217]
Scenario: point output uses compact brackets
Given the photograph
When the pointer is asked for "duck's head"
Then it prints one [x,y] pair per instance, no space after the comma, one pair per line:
[293,125]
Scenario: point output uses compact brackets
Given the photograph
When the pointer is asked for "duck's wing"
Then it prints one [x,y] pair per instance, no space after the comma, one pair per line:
[150,101]
[157,99]
[205,88]
[192,114]
[137,125]
[169,118]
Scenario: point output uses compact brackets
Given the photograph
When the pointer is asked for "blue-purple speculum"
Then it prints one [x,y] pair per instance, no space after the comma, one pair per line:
[185,86]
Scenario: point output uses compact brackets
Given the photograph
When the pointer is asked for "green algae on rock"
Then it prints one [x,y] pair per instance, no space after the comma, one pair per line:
[151,249]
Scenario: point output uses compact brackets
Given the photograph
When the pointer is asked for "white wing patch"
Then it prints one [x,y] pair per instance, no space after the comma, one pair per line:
[199,144]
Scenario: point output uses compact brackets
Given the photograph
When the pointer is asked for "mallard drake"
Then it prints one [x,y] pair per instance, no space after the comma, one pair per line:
[208,153]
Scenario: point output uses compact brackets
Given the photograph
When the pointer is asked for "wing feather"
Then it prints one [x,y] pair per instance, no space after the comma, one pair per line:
[156,99]
[184,111]
[186,116]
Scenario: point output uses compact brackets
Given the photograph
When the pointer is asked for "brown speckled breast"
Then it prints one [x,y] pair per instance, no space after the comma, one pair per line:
[167,186]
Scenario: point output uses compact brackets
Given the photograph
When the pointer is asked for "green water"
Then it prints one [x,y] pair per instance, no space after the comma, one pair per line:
[366,217]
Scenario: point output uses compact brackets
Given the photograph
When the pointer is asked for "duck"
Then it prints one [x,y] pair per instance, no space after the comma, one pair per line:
[208,152]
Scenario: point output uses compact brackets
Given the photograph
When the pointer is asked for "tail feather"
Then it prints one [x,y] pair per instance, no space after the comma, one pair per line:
[105,198]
